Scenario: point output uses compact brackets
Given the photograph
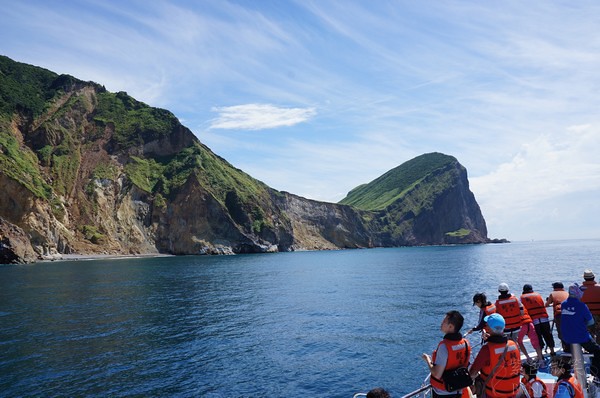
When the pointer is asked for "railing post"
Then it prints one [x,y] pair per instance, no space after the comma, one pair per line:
[579,367]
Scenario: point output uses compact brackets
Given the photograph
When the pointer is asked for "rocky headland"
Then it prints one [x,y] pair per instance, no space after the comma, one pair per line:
[85,171]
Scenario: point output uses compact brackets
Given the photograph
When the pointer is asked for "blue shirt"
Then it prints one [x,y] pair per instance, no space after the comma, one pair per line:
[575,316]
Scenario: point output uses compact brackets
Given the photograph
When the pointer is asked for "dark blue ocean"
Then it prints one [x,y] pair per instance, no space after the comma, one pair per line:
[305,324]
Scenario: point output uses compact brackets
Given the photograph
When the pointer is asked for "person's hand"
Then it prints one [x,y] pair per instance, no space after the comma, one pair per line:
[427,360]
[485,335]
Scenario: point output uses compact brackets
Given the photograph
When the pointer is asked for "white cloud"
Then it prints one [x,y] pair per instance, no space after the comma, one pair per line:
[259,116]
[546,174]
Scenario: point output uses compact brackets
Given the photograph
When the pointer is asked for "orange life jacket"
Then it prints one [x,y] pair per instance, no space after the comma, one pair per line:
[574,387]
[510,309]
[591,296]
[529,386]
[558,296]
[505,382]
[489,309]
[535,305]
[458,356]
[525,318]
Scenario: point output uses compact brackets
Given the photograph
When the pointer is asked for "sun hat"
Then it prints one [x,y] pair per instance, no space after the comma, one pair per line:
[575,291]
[496,322]
[588,274]
[503,287]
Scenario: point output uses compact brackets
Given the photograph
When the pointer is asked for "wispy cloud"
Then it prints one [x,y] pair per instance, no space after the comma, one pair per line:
[259,116]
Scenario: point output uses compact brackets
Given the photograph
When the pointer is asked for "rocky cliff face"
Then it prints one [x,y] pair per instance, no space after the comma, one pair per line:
[447,213]
[91,172]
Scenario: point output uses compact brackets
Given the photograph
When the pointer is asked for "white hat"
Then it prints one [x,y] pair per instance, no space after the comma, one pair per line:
[503,287]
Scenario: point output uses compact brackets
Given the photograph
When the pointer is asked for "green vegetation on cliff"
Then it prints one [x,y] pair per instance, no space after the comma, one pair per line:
[24,87]
[393,185]
[21,164]
[163,174]
[135,123]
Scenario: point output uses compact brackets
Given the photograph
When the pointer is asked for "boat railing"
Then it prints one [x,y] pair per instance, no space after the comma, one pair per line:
[417,393]
[423,390]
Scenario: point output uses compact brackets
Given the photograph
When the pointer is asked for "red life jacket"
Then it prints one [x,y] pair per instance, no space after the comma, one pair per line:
[591,296]
[505,382]
[535,305]
[458,356]
[574,388]
[529,386]
[510,309]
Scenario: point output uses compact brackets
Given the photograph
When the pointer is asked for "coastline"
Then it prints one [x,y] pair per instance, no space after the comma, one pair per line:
[91,257]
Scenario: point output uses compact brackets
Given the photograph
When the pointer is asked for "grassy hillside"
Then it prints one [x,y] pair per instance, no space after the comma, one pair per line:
[385,190]
[47,126]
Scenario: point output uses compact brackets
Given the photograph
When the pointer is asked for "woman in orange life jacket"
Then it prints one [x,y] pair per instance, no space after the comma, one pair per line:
[511,310]
[566,386]
[485,308]
[535,306]
[528,329]
[531,385]
[555,299]
[452,353]
[504,382]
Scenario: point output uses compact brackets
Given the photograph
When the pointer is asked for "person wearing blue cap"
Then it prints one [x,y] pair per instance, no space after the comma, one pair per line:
[498,363]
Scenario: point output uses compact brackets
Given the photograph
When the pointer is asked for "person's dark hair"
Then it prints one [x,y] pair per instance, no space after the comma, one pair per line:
[481,297]
[455,318]
[378,393]
[530,369]
[562,362]
[558,285]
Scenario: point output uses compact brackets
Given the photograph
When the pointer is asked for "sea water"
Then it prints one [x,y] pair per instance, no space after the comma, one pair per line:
[304,324]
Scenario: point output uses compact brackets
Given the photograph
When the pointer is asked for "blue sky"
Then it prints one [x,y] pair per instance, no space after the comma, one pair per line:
[317,97]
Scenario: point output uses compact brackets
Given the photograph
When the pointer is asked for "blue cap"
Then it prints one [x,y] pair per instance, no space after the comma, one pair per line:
[495,322]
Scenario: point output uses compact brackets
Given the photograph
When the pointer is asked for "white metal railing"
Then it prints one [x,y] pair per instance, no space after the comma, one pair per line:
[423,390]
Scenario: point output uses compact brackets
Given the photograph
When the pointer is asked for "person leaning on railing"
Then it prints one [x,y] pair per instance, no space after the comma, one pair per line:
[555,299]
[452,352]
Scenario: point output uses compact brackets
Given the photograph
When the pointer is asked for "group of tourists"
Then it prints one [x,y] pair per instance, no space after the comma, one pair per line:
[497,370]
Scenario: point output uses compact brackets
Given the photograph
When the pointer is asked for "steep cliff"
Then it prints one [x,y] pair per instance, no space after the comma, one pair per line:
[425,200]
[87,171]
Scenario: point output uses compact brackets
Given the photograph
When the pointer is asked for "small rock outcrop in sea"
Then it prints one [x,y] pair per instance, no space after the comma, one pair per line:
[87,171]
